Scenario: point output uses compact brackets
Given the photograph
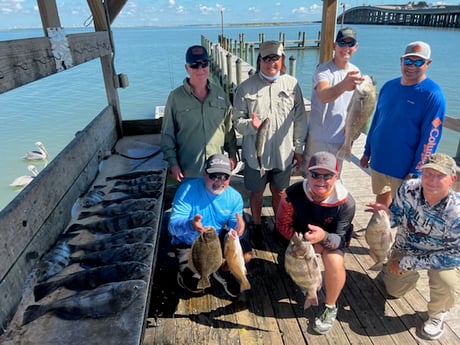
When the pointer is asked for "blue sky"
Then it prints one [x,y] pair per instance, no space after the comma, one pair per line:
[74,13]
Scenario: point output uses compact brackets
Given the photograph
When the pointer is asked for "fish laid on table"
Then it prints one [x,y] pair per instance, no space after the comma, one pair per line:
[359,111]
[125,252]
[91,278]
[93,197]
[261,138]
[206,256]
[139,180]
[110,202]
[128,205]
[134,174]
[136,235]
[302,266]
[138,189]
[103,301]
[379,238]
[115,224]
[233,254]
[54,261]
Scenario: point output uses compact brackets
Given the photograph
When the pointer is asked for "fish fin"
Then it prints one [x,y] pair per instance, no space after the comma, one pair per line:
[75,227]
[44,289]
[309,301]
[32,313]
[344,153]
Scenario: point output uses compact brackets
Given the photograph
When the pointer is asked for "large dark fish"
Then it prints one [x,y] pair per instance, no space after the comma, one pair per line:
[206,256]
[91,278]
[103,301]
[119,200]
[93,197]
[261,137]
[128,236]
[359,111]
[115,224]
[146,188]
[54,261]
[139,180]
[126,252]
[128,205]
[302,266]
[134,174]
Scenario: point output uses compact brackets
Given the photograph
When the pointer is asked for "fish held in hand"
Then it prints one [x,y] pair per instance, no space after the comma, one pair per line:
[302,266]
[206,256]
[103,301]
[359,110]
[233,254]
[379,238]
[261,138]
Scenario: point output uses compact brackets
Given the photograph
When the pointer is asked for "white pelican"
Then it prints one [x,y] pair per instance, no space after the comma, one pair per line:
[24,180]
[37,155]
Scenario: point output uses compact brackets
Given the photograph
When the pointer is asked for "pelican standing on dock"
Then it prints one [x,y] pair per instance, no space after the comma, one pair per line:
[42,154]
[24,180]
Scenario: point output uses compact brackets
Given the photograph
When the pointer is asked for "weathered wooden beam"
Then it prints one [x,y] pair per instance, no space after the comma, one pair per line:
[328,24]
[49,14]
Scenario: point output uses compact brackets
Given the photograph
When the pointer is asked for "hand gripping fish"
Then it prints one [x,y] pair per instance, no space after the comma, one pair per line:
[261,138]
[302,266]
[359,111]
[379,238]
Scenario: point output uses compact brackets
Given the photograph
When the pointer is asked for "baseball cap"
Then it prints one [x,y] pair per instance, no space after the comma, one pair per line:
[418,48]
[196,53]
[441,162]
[324,160]
[271,48]
[346,33]
[218,163]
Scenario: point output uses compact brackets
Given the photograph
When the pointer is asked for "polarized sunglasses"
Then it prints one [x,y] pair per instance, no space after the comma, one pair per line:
[317,176]
[271,58]
[416,63]
[217,176]
[350,44]
[202,64]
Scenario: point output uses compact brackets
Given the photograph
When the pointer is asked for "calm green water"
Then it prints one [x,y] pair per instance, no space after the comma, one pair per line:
[52,110]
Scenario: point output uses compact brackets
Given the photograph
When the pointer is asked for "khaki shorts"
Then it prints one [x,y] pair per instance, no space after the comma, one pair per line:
[382,183]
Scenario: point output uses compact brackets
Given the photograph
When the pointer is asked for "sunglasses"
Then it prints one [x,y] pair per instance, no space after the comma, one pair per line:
[416,63]
[271,58]
[317,176]
[202,64]
[350,44]
[221,177]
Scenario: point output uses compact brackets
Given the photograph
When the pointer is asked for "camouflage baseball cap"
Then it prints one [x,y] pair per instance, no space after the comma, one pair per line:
[441,162]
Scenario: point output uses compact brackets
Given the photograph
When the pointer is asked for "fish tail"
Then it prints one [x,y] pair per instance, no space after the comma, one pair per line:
[44,289]
[32,313]
[75,227]
[203,283]
[85,214]
[344,153]
[377,267]
[309,301]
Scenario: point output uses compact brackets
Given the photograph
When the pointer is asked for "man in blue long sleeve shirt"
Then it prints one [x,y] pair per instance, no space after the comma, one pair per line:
[201,202]
[427,212]
[407,124]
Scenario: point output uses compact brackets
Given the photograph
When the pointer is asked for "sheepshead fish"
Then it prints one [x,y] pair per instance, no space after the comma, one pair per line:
[233,254]
[126,252]
[359,111]
[91,278]
[137,235]
[146,188]
[379,238]
[206,256]
[302,266]
[134,174]
[128,205]
[261,137]
[93,197]
[103,301]
[115,224]
[54,261]
[139,180]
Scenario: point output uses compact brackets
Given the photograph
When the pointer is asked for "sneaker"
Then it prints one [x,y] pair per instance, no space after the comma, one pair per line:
[188,283]
[324,322]
[257,238]
[433,327]
[227,283]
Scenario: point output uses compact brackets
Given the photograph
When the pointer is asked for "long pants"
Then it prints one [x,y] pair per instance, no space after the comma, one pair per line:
[442,283]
